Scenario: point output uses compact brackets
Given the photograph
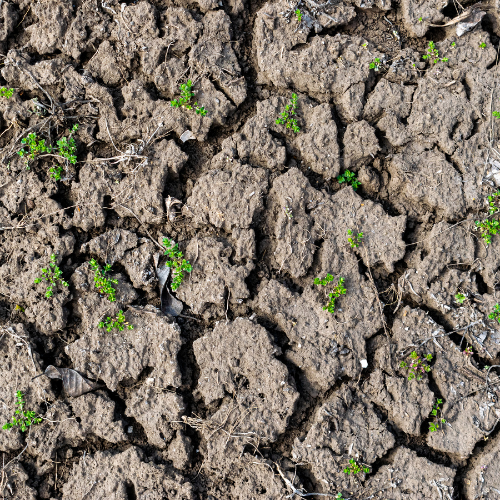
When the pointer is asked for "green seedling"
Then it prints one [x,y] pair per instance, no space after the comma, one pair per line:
[118,322]
[103,284]
[460,298]
[7,93]
[420,20]
[376,64]
[496,313]
[288,212]
[66,147]
[25,418]
[496,114]
[453,45]
[299,15]
[184,100]
[52,275]
[286,116]
[416,365]
[433,54]
[482,45]
[468,352]
[436,408]
[354,239]
[177,262]
[487,228]
[349,178]
[339,496]
[35,147]
[355,468]
[336,292]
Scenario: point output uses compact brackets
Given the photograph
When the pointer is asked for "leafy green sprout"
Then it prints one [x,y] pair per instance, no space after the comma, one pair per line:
[52,275]
[416,365]
[496,114]
[482,45]
[420,20]
[339,496]
[349,178]
[35,147]
[103,284]
[495,314]
[436,408]
[336,292]
[468,352]
[354,239]
[355,468]
[433,54]
[376,64]
[299,15]
[460,298]
[490,227]
[177,262]
[184,100]
[286,116]
[288,212]
[453,45]
[117,322]
[66,147]
[25,418]
[7,93]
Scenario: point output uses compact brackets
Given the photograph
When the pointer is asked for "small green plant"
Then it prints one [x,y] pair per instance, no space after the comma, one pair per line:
[66,147]
[460,297]
[7,93]
[376,64]
[453,45]
[433,54]
[488,228]
[336,292]
[177,262]
[436,408]
[354,239]
[416,365]
[299,15]
[349,178]
[339,496]
[420,20]
[496,313]
[355,468]
[496,114]
[286,116]
[185,99]
[25,418]
[468,352]
[288,212]
[118,322]
[35,147]
[103,284]
[52,275]
[482,45]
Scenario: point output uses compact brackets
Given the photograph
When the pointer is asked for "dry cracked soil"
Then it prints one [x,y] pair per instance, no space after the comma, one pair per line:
[354,140]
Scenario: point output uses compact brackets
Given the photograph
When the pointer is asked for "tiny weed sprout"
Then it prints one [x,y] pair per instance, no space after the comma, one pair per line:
[354,239]
[24,418]
[376,64]
[176,262]
[7,93]
[433,54]
[299,15]
[336,292]
[416,365]
[185,99]
[339,496]
[35,147]
[496,313]
[52,275]
[460,298]
[103,284]
[496,114]
[288,212]
[118,323]
[420,20]
[66,147]
[436,408]
[349,178]
[355,468]
[286,117]
[487,228]
[482,45]
[453,45]
[468,352]
[365,45]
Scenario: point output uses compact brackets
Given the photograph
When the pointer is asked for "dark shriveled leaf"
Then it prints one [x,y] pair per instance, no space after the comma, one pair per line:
[74,384]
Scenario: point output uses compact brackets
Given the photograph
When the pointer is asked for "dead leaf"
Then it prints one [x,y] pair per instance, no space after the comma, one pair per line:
[74,384]
[168,303]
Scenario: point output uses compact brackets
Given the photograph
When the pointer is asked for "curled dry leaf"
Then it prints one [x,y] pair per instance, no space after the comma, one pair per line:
[74,384]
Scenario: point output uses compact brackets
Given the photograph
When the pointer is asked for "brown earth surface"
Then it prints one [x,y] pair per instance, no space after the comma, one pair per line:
[238,384]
